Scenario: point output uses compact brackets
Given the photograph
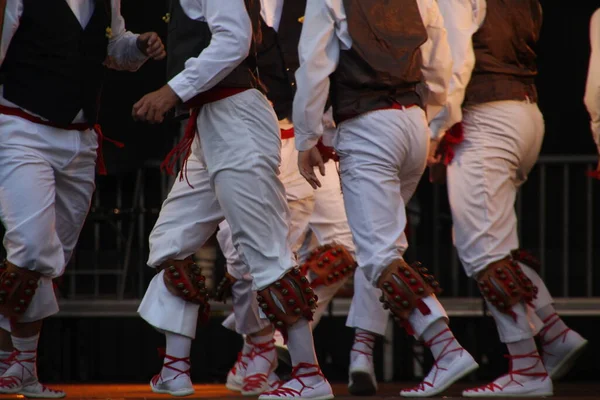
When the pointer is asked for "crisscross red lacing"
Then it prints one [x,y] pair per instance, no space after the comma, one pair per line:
[366,338]
[549,322]
[523,372]
[169,365]
[10,382]
[284,391]
[436,366]
[257,381]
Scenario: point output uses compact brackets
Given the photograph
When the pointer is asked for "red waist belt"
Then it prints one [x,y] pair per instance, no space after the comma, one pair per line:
[185,145]
[17,112]
[394,106]
[287,133]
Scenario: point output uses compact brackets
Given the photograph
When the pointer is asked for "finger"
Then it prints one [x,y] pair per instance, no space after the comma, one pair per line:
[154,47]
[161,56]
[321,166]
[157,53]
[139,109]
[305,176]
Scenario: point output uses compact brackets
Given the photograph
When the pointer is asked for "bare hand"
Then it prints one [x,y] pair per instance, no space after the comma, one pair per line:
[307,161]
[432,158]
[150,44]
[153,106]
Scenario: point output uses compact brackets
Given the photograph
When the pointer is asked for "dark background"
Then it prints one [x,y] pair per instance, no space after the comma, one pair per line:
[122,349]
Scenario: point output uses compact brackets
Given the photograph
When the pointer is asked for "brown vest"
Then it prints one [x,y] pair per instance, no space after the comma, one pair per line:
[504,57]
[383,67]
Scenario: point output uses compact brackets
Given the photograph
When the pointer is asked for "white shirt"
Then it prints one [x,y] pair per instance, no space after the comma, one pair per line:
[123,53]
[462,19]
[325,34]
[270,11]
[592,87]
[231,31]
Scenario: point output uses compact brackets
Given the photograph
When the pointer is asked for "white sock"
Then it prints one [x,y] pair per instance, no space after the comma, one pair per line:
[364,341]
[300,343]
[26,349]
[177,359]
[441,341]
[262,360]
[554,327]
[247,347]
[525,357]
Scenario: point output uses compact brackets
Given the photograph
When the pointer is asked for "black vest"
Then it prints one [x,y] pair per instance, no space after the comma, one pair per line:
[278,57]
[54,67]
[187,38]
[504,57]
[383,67]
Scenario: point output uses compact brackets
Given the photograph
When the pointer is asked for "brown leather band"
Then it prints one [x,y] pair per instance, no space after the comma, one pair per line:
[330,263]
[17,288]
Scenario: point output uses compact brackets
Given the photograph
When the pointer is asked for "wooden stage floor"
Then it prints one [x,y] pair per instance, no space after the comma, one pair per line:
[562,391]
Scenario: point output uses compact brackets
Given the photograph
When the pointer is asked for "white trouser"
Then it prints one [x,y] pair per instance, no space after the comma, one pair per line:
[382,157]
[320,216]
[46,185]
[233,170]
[501,144]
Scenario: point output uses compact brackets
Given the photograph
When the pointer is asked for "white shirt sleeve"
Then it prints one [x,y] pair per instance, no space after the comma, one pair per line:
[437,60]
[319,51]
[123,53]
[231,31]
[12,15]
[592,87]
[462,19]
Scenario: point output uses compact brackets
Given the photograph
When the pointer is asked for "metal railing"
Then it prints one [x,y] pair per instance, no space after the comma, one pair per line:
[556,215]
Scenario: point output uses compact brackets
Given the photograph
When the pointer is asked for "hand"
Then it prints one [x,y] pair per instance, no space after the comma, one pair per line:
[307,161]
[150,44]
[153,106]
[432,158]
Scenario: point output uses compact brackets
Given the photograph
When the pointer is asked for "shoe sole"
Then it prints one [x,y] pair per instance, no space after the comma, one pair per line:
[362,385]
[31,395]
[326,397]
[233,387]
[443,388]
[178,393]
[511,395]
[567,363]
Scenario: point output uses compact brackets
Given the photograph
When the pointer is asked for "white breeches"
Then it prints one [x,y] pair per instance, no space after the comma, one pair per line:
[382,157]
[502,141]
[46,184]
[316,219]
[233,170]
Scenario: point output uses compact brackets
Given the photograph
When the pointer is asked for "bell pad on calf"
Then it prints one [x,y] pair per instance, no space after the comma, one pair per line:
[287,300]
[183,278]
[330,263]
[404,287]
[224,288]
[504,284]
[17,288]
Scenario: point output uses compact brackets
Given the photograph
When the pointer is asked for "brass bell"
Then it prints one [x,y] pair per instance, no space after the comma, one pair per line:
[264,306]
[303,280]
[279,324]
[180,285]
[284,292]
[297,310]
[420,290]
[271,317]
[405,304]
[308,290]
[176,275]
[406,273]
[398,299]
[277,284]
[413,281]
[291,302]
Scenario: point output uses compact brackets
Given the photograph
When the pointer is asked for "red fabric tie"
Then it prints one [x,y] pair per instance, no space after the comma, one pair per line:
[17,112]
[453,137]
